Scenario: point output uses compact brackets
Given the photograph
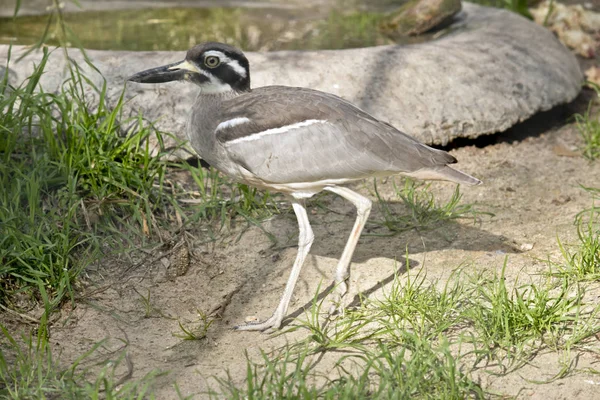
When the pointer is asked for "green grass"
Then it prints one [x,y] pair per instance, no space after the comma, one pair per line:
[519,320]
[423,339]
[74,174]
[68,172]
[79,182]
[75,179]
[216,198]
[195,330]
[29,370]
[421,209]
[581,261]
[418,370]
[589,128]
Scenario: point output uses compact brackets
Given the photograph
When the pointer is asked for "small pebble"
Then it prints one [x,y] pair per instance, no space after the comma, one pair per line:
[526,246]
[251,318]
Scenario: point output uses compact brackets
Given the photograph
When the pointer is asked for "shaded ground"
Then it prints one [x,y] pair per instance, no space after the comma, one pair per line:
[531,180]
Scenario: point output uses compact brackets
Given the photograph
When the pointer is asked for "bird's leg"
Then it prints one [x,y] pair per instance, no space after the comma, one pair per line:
[342,272]
[305,240]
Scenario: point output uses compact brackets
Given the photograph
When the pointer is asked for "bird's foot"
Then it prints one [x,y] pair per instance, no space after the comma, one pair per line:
[270,325]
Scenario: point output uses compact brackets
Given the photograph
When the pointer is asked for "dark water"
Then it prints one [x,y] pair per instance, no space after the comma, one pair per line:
[180,28]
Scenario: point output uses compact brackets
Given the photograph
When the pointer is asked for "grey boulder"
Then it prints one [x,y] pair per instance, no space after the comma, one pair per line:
[493,69]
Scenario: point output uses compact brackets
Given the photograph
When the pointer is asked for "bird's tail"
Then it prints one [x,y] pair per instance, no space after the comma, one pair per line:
[445,173]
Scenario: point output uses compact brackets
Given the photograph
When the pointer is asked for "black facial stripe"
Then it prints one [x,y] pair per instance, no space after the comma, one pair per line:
[197,78]
[226,74]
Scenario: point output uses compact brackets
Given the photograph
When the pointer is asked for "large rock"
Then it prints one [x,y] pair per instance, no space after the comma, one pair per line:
[494,70]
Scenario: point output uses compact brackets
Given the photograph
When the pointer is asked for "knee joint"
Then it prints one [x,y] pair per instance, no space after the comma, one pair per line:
[363,207]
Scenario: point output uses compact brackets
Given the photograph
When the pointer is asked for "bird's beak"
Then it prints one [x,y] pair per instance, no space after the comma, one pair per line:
[182,70]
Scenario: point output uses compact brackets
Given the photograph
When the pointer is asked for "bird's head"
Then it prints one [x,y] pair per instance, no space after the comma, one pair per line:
[215,67]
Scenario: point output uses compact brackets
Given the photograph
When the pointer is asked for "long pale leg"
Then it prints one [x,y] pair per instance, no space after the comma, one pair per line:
[363,208]
[305,240]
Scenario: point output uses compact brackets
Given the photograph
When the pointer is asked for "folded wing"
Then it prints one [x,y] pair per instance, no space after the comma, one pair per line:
[302,135]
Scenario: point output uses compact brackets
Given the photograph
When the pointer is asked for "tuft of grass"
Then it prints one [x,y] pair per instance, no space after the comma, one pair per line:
[420,306]
[284,377]
[424,212]
[219,200]
[77,177]
[423,339]
[29,370]
[197,332]
[69,172]
[412,304]
[523,318]
[581,261]
[589,128]
[417,370]
[149,309]
[350,332]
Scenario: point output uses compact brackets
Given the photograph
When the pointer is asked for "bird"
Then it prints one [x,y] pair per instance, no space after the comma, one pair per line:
[294,140]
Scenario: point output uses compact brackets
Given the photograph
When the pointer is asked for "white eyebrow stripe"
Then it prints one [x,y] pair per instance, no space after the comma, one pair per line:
[231,123]
[274,131]
[234,64]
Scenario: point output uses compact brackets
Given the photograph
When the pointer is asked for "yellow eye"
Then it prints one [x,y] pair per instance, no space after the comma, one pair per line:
[212,61]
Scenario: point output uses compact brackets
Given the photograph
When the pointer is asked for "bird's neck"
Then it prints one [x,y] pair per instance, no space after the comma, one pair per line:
[211,103]
[204,118]
[212,99]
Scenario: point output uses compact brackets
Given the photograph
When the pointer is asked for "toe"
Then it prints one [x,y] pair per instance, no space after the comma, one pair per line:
[271,324]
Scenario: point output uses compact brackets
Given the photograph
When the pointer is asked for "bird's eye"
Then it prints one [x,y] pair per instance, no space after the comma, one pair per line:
[212,61]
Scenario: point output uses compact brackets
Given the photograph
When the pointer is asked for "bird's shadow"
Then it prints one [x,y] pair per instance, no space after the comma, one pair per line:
[445,235]
[403,266]
[333,226]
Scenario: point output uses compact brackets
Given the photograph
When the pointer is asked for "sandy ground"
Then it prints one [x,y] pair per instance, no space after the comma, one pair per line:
[531,180]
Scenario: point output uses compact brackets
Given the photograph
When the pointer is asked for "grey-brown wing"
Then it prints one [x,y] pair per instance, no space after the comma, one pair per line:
[300,135]
[276,106]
